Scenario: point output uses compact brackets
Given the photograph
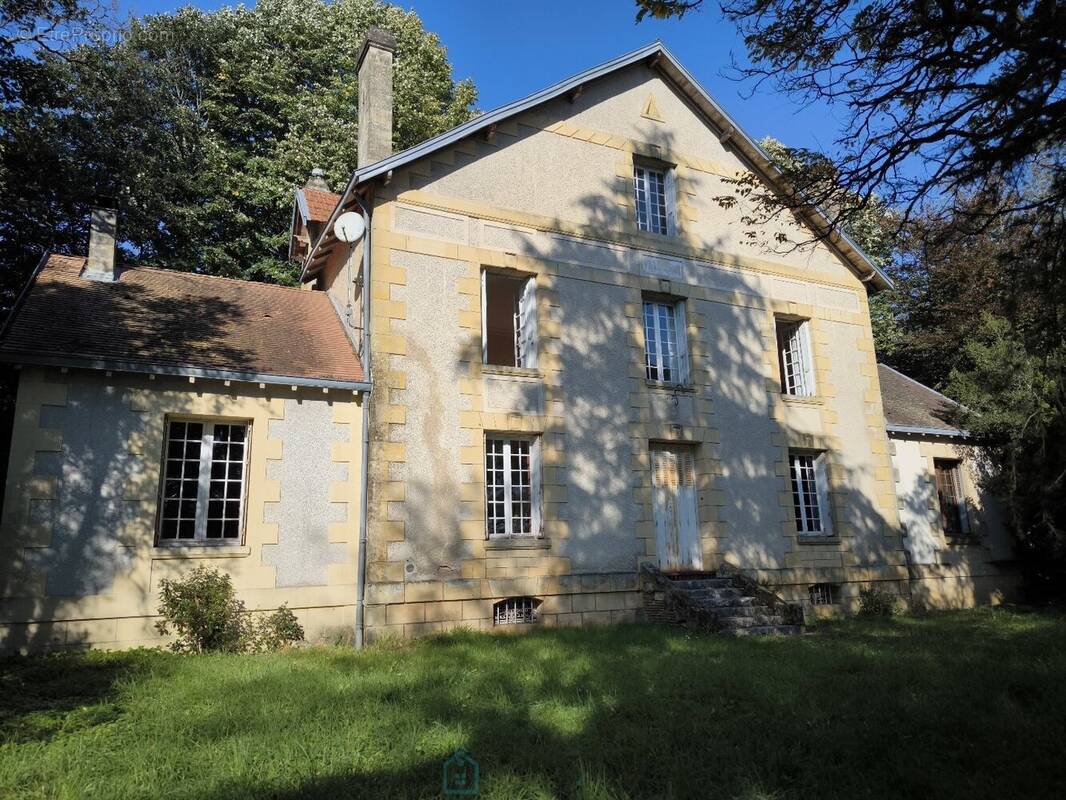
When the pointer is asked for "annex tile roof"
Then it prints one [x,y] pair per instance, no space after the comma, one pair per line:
[318,204]
[657,56]
[914,407]
[156,320]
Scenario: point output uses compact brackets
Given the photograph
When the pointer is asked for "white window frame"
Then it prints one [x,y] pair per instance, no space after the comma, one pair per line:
[794,357]
[802,467]
[650,185]
[204,479]
[508,440]
[526,343]
[660,338]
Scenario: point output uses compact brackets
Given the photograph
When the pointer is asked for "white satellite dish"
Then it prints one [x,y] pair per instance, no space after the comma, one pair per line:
[349,227]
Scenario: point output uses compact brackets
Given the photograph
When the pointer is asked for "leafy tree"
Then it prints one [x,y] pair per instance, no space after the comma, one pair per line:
[945,100]
[200,124]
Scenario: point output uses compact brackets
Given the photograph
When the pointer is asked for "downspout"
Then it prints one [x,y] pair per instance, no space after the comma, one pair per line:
[360,573]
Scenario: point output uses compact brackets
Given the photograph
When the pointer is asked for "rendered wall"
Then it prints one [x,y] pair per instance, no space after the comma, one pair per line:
[950,573]
[78,561]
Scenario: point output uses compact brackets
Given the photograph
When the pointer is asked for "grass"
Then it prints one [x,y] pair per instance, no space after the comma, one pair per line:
[966,705]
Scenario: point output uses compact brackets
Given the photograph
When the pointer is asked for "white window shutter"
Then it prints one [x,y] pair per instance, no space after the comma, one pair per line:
[964,515]
[484,322]
[534,480]
[825,508]
[807,356]
[670,187]
[528,324]
[681,324]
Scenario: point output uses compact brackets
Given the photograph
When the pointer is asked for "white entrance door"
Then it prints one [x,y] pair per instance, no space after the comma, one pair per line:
[677,531]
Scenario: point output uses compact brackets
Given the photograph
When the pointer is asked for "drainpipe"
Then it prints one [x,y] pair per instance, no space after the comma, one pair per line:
[360,573]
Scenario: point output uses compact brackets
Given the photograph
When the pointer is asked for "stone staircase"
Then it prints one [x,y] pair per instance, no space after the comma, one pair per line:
[724,601]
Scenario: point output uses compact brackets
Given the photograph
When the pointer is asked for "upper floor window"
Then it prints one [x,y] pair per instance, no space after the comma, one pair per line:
[512,486]
[810,493]
[950,497]
[653,189]
[665,343]
[203,481]
[794,357]
[508,320]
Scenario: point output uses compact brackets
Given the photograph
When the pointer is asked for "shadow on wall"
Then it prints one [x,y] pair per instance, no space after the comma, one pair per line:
[597,358]
[64,550]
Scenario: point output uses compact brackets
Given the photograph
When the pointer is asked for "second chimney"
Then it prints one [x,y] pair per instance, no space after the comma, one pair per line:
[375,96]
[100,266]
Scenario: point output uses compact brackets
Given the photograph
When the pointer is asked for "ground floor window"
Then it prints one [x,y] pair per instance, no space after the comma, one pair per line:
[950,497]
[204,467]
[512,486]
[515,611]
[810,493]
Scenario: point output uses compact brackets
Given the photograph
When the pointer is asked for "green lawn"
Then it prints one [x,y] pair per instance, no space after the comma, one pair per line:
[967,705]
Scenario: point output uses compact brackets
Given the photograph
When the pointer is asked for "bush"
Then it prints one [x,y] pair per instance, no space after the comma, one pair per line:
[206,616]
[876,602]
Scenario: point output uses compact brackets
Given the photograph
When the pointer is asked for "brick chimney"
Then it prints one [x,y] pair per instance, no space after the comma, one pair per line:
[375,96]
[100,266]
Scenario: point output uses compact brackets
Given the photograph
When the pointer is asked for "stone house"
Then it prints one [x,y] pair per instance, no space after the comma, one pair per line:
[554,355]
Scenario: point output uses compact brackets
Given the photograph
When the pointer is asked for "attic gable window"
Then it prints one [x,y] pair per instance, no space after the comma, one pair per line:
[508,320]
[653,189]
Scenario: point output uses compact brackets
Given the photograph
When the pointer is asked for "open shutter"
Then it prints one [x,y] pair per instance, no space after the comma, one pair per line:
[670,189]
[534,482]
[825,508]
[960,495]
[806,357]
[527,325]
[484,322]
[682,344]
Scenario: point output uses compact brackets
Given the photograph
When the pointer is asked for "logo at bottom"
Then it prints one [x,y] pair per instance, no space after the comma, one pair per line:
[462,775]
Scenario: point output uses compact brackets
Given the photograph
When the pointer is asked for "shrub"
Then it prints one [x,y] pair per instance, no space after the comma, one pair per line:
[275,631]
[206,616]
[876,602]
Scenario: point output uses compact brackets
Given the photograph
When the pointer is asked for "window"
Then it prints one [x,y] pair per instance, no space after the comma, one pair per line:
[665,343]
[512,490]
[653,191]
[203,481]
[515,611]
[823,594]
[794,357]
[949,493]
[810,493]
[508,320]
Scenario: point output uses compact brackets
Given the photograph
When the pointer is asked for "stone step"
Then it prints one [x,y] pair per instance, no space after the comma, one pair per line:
[715,603]
[757,621]
[767,630]
[749,610]
[702,583]
[713,593]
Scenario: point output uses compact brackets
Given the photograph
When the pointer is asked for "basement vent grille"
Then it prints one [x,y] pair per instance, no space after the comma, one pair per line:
[515,611]
[823,594]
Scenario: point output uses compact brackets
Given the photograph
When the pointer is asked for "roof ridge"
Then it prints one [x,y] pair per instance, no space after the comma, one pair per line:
[144,268]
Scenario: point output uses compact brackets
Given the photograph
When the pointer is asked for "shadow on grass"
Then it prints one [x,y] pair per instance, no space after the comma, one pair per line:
[43,696]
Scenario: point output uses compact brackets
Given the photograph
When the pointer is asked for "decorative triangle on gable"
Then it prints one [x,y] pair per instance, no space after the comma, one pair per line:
[651,110]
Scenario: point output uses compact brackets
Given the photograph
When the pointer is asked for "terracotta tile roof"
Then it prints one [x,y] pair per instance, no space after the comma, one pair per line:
[910,404]
[163,318]
[320,204]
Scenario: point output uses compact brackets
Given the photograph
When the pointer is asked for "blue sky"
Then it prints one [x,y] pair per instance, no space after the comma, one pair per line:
[511,49]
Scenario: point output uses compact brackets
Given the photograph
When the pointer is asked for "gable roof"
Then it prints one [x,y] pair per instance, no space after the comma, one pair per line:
[912,407]
[315,205]
[658,57]
[167,322]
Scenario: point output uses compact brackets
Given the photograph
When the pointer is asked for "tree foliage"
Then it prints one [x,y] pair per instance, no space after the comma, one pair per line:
[945,100]
[200,124]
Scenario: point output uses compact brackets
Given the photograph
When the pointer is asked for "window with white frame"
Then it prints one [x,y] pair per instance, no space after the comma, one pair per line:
[512,486]
[653,190]
[204,468]
[665,342]
[508,320]
[794,357]
[810,493]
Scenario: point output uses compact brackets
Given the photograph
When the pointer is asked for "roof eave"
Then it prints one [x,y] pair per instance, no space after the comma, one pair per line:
[172,370]
[919,430]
